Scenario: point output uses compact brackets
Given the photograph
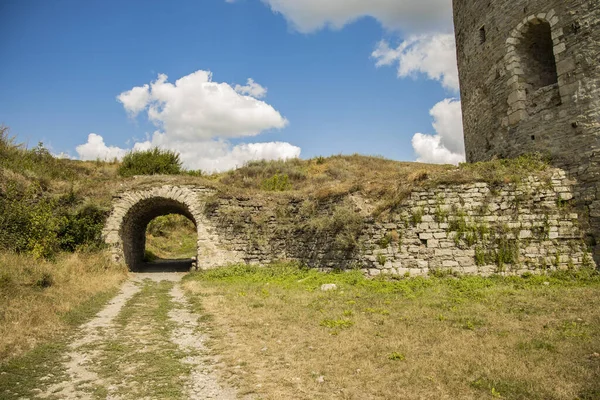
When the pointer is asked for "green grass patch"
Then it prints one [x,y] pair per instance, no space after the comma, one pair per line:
[521,331]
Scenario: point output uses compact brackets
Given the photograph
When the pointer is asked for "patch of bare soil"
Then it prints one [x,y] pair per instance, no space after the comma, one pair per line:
[203,382]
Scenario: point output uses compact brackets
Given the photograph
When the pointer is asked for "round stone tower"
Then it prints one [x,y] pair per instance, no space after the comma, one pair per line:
[530,82]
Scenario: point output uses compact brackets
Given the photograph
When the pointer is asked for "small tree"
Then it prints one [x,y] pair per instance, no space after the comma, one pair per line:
[150,162]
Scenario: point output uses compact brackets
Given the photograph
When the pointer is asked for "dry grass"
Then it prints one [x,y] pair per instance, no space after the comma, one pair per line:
[438,338]
[37,296]
[383,182]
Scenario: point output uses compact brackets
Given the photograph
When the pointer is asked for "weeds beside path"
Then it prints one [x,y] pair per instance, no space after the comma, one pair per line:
[279,336]
[144,344]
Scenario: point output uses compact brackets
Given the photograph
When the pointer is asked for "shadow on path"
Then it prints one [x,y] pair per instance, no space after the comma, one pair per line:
[162,266]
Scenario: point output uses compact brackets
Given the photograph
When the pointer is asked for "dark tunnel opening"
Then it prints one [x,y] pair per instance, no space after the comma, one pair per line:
[133,234]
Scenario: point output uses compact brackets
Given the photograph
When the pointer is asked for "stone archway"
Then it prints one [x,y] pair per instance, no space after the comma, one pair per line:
[125,230]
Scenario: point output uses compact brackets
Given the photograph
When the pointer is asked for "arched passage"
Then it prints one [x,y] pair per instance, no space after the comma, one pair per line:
[125,230]
[135,222]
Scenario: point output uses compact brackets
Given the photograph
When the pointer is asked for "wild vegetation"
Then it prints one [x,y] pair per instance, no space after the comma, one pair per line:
[41,299]
[52,266]
[48,205]
[150,162]
[384,182]
[280,336]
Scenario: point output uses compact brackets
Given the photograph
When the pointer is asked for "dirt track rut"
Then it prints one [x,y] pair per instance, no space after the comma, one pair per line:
[145,344]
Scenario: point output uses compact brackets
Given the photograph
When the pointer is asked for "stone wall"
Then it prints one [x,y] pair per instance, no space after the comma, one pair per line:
[508,110]
[469,229]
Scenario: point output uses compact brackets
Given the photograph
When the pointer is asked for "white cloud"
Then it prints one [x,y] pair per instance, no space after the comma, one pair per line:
[135,100]
[195,117]
[96,149]
[62,155]
[252,89]
[433,55]
[195,107]
[409,15]
[447,145]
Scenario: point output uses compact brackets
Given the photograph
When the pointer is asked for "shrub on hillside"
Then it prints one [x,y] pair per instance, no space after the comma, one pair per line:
[166,224]
[34,222]
[150,162]
[34,218]
[277,183]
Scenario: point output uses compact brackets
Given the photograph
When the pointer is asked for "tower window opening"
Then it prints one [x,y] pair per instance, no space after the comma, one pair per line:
[482,35]
[537,56]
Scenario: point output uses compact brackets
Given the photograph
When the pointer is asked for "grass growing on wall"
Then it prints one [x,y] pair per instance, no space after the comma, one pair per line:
[280,336]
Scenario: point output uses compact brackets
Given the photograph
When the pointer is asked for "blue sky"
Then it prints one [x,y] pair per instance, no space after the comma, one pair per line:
[359,78]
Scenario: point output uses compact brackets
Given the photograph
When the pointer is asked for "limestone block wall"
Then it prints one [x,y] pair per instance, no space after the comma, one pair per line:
[476,229]
[530,82]
[468,229]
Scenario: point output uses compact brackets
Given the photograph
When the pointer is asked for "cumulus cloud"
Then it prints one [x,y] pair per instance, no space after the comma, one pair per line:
[62,155]
[135,100]
[433,55]
[196,117]
[252,89]
[428,49]
[95,149]
[195,107]
[409,15]
[447,145]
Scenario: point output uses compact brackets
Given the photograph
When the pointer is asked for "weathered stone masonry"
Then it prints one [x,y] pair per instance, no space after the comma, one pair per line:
[470,229]
[530,82]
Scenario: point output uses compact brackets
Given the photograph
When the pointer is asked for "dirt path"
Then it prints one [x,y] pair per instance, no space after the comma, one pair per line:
[145,344]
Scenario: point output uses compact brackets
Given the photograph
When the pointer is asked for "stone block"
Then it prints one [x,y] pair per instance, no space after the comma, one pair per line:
[425,236]
[517,117]
[449,264]
[525,234]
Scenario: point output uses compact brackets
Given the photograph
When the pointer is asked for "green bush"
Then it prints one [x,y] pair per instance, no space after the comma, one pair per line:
[150,162]
[277,183]
[33,218]
[164,225]
[34,222]
[344,226]
[82,229]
